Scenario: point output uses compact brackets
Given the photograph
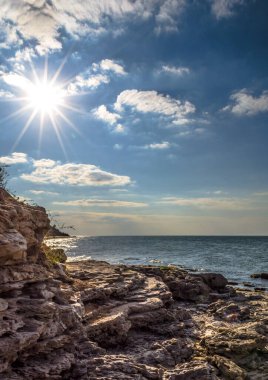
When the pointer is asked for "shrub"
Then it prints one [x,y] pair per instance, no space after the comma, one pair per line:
[3,176]
[54,255]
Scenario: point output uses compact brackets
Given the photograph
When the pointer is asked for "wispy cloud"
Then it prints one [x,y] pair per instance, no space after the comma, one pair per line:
[118,146]
[167,19]
[224,8]
[94,76]
[14,158]
[244,103]
[43,192]
[154,102]
[158,146]
[86,81]
[101,203]
[210,203]
[175,70]
[22,55]
[52,172]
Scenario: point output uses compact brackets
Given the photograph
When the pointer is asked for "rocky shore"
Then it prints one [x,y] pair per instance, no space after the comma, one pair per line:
[92,320]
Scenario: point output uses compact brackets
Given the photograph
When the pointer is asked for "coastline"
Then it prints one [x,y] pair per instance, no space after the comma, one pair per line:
[91,320]
[77,247]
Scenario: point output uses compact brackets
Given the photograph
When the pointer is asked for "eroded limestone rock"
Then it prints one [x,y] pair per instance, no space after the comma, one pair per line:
[94,321]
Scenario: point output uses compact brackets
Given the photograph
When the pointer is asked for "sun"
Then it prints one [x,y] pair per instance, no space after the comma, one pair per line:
[44,97]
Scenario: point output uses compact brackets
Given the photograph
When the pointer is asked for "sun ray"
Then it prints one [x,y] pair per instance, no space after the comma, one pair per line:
[19,112]
[72,108]
[24,129]
[41,127]
[36,78]
[68,121]
[57,131]
[45,77]
[59,70]
[45,96]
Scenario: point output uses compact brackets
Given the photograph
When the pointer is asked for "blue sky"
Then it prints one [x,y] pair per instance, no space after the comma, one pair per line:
[154,113]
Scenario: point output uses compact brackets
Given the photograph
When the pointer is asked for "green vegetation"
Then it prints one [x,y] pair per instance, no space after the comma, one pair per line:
[165,268]
[3,176]
[54,255]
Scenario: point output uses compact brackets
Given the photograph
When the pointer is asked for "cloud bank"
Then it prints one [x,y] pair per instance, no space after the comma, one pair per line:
[41,21]
[101,203]
[47,171]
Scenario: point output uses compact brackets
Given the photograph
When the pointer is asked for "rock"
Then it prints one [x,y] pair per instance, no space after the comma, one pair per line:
[3,304]
[13,247]
[93,321]
[168,353]
[248,284]
[109,330]
[196,370]
[227,368]
[22,229]
[237,343]
[262,275]
[230,311]
[215,281]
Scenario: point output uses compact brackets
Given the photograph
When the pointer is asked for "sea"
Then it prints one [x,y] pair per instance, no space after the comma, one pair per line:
[236,257]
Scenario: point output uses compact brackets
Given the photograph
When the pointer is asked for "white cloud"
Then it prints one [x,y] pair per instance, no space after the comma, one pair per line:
[6,94]
[101,203]
[40,21]
[52,172]
[120,190]
[209,203]
[9,34]
[33,20]
[15,80]
[21,56]
[117,146]
[43,163]
[224,8]
[261,194]
[175,70]
[246,104]
[168,15]
[110,65]
[162,145]
[97,74]
[119,128]
[110,118]
[153,102]
[86,81]
[14,158]
[43,192]
[103,114]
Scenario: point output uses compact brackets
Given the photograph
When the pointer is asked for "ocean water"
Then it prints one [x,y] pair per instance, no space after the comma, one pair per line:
[234,257]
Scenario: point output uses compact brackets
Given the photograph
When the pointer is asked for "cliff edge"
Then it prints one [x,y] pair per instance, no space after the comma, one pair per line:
[92,320]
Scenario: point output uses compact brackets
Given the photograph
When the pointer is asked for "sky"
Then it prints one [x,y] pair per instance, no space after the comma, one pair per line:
[138,117]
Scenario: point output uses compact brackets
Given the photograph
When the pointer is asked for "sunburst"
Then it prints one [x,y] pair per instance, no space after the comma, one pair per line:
[45,99]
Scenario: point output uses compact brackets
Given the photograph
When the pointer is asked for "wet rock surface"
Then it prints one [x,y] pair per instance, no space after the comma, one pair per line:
[92,320]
